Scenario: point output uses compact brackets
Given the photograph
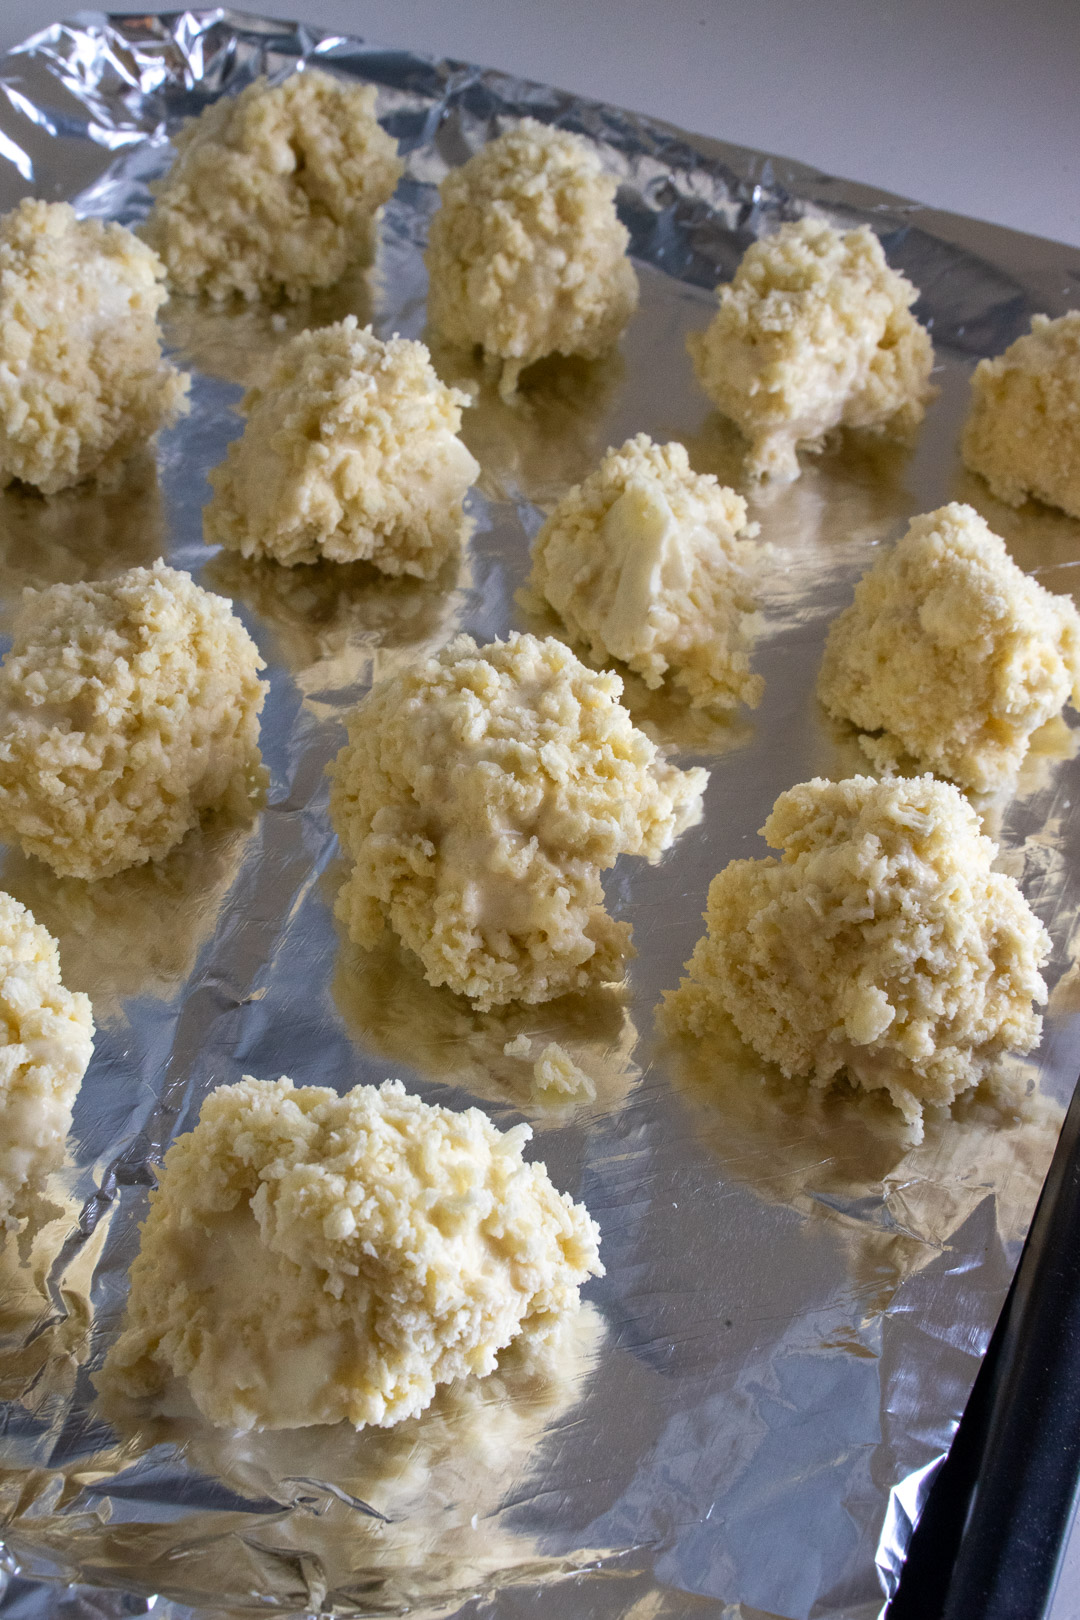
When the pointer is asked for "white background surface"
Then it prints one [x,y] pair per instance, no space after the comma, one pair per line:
[970,105]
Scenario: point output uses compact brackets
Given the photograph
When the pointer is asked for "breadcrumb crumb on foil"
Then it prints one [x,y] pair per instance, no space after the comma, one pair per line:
[350,452]
[274,192]
[312,1258]
[1023,431]
[83,384]
[127,708]
[879,945]
[814,333]
[526,255]
[950,654]
[46,1039]
[651,563]
[556,1075]
[478,799]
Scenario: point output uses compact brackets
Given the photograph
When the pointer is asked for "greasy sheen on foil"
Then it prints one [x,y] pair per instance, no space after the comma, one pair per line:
[746,1418]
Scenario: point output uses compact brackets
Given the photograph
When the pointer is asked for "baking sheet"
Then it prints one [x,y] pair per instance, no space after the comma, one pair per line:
[746,1419]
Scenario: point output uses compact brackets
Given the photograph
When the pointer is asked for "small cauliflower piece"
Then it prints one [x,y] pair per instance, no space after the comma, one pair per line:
[127,708]
[951,654]
[350,452]
[82,380]
[650,562]
[526,256]
[814,333]
[880,945]
[274,191]
[310,1258]
[479,797]
[46,1039]
[1023,432]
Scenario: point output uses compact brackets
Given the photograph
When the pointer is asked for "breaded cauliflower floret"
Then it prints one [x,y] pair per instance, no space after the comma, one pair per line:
[650,562]
[526,256]
[274,191]
[480,796]
[82,380]
[1023,432]
[880,944]
[951,654]
[814,333]
[350,452]
[126,709]
[310,1258]
[46,1038]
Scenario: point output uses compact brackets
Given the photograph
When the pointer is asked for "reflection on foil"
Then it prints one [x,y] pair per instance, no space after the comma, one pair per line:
[548,436]
[381,1521]
[339,626]
[796,1300]
[238,342]
[847,1154]
[79,534]
[139,932]
[389,1007]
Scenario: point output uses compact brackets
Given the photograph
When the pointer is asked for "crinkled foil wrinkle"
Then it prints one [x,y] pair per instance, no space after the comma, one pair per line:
[747,1416]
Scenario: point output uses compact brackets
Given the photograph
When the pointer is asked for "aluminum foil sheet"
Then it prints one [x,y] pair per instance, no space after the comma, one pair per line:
[746,1418]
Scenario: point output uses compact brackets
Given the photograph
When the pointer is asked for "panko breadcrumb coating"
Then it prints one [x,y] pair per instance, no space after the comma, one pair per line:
[274,191]
[1023,432]
[46,1039]
[814,333]
[650,562]
[82,380]
[310,1258]
[480,796]
[127,707]
[951,654]
[880,944]
[350,453]
[526,256]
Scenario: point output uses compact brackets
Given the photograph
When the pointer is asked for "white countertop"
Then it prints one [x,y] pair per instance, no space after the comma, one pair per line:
[969,105]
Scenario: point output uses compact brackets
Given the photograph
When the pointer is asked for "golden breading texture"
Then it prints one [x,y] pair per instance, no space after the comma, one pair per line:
[126,709]
[880,944]
[310,1258]
[526,256]
[1023,431]
[82,380]
[814,333]
[651,563]
[951,654]
[274,191]
[46,1039]
[350,452]
[480,796]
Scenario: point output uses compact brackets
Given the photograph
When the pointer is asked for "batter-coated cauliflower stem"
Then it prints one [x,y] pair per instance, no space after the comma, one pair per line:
[274,191]
[1023,432]
[351,453]
[880,944]
[126,709]
[526,256]
[82,380]
[650,562]
[951,653]
[814,333]
[310,1258]
[46,1038]
[480,796]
